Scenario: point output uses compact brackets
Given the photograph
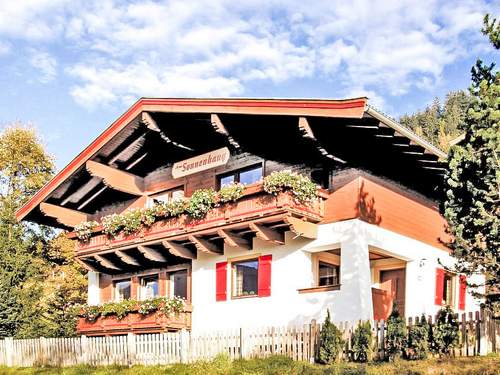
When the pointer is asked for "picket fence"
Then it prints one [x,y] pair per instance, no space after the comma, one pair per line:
[479,335]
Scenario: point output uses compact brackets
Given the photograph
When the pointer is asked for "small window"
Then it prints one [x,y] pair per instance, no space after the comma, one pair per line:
[166,196]
[328,274]
[122,290]
[178,284]
[448,289]
[149,287]
[245,278]
[245,176]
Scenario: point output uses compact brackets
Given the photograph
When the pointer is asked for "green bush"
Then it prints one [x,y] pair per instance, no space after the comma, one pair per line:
[418,340]
[200,203]
[230,193]
[396,335]
[445,332]
[330,342]
[362,342]
[301,187]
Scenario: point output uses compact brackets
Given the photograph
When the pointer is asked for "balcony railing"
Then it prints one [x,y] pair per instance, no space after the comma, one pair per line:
[254,205]
[134,322]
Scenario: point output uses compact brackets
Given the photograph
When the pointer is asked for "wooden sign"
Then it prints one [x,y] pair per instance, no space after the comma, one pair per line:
[200,163]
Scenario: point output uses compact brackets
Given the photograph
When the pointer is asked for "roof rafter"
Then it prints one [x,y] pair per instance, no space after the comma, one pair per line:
[221,129]
[151,254]
[63,215]
[116,179]
[179,250]
[151,124]
[308,133]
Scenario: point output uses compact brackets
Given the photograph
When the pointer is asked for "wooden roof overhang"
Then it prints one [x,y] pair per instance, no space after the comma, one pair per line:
[158,132]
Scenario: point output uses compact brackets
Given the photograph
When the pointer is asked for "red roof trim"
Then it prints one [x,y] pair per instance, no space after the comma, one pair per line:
[136,109]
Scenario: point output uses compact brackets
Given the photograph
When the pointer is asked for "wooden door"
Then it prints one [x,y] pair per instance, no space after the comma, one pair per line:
[398,282]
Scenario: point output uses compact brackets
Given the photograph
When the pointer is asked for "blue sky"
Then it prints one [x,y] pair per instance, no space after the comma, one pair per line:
[70,67]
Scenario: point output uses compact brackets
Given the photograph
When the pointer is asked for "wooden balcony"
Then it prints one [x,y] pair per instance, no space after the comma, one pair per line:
[137,323]
[257,213]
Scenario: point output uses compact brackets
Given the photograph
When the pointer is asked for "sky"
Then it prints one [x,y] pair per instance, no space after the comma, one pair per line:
[71,67]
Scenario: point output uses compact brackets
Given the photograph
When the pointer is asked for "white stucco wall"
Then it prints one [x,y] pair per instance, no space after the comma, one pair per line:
[94,293]
[292,270]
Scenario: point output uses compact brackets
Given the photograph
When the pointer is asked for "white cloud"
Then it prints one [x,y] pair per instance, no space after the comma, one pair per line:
[4,48]
[46,65]
[122,50]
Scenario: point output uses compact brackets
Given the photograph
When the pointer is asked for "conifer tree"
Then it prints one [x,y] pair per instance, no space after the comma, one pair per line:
[471,203]
[331,342]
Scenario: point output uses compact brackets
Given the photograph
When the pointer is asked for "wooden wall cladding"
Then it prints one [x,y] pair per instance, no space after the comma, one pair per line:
[385,204]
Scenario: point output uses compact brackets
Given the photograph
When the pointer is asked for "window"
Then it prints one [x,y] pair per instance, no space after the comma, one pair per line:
[149,287]
[178,284]
[448,289]
[166,196]
[122,290]
[245,278]
[328,274]
[245,176]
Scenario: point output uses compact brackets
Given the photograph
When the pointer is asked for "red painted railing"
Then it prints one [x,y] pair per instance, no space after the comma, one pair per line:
[135,322]
[254,204]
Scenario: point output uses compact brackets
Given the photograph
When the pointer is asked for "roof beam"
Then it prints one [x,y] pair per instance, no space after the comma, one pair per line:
[63,215]
[151,254]
[205,246]
[308,133]
[125,258]
[302,228]
[106,263]
[234,240]
[221,129]
[117,179]
[179,250]
[267,234]
[151,124]
[86,263]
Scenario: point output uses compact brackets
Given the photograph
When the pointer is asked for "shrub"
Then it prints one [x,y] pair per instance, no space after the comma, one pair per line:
[84,230]
[200,203]
[418,340]
[121,309]
[301,187]
[362,341]
[331,342]
[131,221]
[230,193]
[445,332]
[112,224]
[396,335]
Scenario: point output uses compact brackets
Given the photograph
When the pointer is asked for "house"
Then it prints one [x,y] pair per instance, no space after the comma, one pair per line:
[370,235]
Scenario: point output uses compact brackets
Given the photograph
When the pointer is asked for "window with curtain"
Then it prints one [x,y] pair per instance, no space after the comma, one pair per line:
[245,279]
[122,290]
[149,287]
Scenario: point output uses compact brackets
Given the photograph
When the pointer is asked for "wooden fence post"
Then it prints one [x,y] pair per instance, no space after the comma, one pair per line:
[243,344]
[131,349]
[312,340]
[84,347]
[184,346]
[44,351]
[9,351]
[483,332]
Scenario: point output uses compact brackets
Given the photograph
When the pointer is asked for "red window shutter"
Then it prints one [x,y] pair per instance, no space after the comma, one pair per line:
[439,286]
[221,281]
[264,275]
[463,289]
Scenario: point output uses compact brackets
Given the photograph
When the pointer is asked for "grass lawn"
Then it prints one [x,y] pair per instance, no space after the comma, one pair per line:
[285,366]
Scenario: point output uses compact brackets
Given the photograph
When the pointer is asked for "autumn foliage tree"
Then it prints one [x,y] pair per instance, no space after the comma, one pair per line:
[39,279]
